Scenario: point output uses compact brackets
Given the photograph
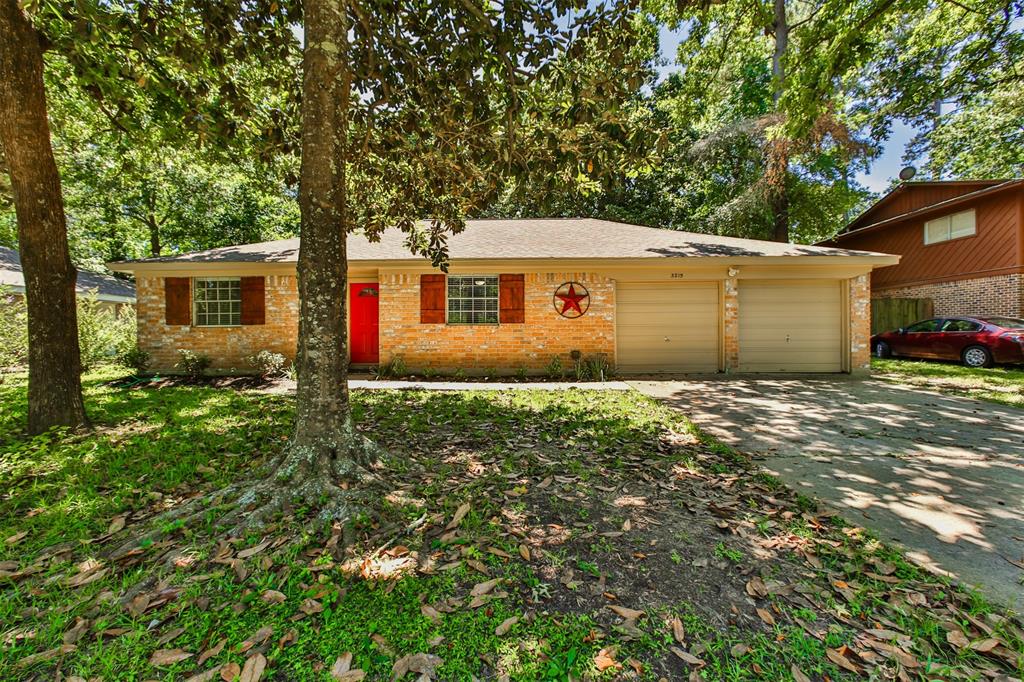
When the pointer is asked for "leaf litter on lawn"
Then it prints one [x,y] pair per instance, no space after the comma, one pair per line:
[679,556]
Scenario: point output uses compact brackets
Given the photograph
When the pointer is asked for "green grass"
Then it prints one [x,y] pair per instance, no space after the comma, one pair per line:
[491,449]
[1002,385]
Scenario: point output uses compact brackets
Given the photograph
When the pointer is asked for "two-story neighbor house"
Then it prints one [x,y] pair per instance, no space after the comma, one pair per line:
[961,245]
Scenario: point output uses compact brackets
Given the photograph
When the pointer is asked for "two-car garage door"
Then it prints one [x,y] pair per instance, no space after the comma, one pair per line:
[784,326]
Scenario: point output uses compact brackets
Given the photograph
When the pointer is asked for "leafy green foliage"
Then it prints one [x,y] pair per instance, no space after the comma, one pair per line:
[191,363]
[103,330]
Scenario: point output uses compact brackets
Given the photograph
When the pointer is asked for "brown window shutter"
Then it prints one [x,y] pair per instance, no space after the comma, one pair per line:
[178,300]
[510,299]
[432,299]
[253,300]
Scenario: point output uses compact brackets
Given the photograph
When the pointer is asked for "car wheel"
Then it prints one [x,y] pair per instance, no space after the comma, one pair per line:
[977,356]
[882,350]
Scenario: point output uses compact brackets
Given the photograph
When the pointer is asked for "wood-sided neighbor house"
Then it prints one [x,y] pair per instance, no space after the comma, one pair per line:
[521,292]
[961,245]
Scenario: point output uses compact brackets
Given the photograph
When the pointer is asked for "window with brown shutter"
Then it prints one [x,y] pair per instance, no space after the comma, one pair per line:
[253,300]
[432,299]
[511,292]
[177,300]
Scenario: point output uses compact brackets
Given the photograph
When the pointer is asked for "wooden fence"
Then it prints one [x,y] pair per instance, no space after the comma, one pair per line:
[888,314]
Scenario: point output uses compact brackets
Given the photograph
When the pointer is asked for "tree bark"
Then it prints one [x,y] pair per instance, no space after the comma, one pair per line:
[325,449]
[54,383]
[154,235]
[777,152]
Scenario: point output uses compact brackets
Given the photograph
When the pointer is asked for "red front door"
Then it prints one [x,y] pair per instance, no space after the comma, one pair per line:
[362,311]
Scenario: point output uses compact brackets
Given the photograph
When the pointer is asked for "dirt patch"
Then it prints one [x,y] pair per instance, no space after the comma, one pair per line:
[238,383]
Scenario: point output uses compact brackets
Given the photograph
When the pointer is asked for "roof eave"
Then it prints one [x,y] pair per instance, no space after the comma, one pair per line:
[866,258]
[948,203]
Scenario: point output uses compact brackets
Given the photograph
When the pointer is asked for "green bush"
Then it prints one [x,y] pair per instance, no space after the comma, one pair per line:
[555,369]
[267,363]
[13,329]
[192,363]
[393,369]
[134,358]
[102,334]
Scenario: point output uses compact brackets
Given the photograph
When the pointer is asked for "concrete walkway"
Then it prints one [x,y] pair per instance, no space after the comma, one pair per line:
[365,382]
[940,475]
[490,385]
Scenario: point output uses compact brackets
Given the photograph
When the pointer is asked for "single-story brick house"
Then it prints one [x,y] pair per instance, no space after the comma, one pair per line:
[519,292]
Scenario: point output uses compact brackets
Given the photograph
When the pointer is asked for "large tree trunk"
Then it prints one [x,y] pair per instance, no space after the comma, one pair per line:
[54,382]
[778,156]
[325,449]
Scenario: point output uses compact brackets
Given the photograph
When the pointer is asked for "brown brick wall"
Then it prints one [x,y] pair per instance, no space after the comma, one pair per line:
[1000,295]
[227,347]
[503,347]
[731,326]
[860,324]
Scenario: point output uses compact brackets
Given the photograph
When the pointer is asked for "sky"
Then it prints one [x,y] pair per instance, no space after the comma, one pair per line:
[881,171]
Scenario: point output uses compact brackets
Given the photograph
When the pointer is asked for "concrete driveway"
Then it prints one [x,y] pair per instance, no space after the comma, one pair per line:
[942,476]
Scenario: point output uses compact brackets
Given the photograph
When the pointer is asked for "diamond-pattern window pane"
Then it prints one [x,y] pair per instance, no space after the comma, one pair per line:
[218,302]
[472,299]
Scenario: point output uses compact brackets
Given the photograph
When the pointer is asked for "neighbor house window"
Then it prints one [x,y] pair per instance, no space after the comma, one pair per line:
[949,227]
[218,301]
[472,299]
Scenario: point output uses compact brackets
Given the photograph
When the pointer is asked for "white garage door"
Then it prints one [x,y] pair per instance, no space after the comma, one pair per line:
[790,326]
[667,326]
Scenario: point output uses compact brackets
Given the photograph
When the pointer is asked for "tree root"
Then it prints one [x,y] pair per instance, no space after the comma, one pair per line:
[337,484]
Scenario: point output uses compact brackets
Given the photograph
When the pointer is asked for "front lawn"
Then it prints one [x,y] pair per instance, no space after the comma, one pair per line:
[527,535]
[1003,385]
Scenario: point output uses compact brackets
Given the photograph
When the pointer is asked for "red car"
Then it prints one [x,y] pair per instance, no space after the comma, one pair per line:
[974,341]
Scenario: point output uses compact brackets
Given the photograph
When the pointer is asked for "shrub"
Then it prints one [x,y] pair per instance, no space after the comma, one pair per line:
[126,330]
[554,369]
[96,335]
[521,373]
[13,329]
[134,358]
[394,368]
[192,363]
[267,363]
[598,367]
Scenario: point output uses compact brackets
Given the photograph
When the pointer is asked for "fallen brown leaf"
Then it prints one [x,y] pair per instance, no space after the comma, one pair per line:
[168,656]
[253,669]
[230,671]
[605,659]
[212,651]
[273,597]
[628,614]
[505,626]
[798,674]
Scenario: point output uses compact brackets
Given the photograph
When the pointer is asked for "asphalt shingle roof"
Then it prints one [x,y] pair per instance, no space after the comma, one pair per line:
[105,285]
[563,238]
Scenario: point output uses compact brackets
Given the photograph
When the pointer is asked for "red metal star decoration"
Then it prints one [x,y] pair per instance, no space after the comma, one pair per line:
[571,301]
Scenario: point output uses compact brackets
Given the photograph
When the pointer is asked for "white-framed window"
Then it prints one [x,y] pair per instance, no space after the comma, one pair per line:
[217,301]
[949,227]
[472,299]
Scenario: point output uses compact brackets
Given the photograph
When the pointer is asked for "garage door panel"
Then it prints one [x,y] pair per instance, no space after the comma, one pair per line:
[790,326]
[667,326]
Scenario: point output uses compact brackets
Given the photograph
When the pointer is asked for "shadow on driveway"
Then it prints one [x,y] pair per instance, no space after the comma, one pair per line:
[942,476]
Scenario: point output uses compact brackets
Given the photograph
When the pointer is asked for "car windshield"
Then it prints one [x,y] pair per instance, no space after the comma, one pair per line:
[1006,322]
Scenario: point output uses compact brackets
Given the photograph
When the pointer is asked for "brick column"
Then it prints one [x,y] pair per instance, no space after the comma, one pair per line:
[860,324]
[731,333]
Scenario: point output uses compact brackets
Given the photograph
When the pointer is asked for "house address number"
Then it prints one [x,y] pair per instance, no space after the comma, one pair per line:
[677,275]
